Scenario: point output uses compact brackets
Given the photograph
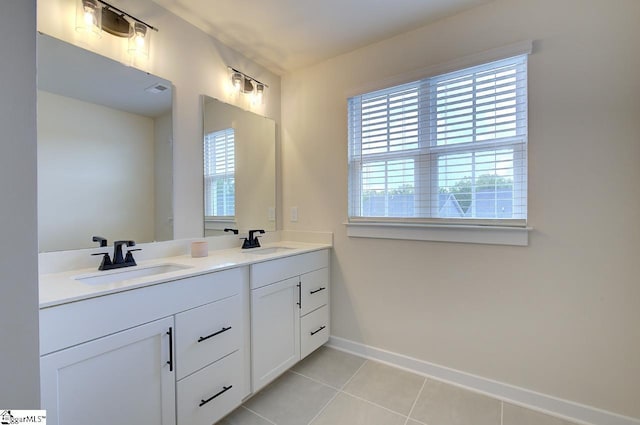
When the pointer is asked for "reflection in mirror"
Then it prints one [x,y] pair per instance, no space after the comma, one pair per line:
[239,169]
[104,150]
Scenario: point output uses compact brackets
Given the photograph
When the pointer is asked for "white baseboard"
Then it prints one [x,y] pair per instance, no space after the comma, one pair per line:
[519,396]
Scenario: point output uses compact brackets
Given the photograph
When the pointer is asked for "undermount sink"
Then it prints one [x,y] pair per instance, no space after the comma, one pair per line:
[265,251]
[130,273]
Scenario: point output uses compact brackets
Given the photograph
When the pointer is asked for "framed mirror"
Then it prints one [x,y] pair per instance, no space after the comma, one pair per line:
[105,154]
[239,151]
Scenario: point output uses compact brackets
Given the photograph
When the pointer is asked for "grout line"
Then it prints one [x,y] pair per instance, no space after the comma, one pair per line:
[324,407]
[424,381]
[373,403]
[354,374]
[338,390]
[501,412]
[259,415]
[314,380]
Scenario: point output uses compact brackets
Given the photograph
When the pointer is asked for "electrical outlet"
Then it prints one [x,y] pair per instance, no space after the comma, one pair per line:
[294,214]
[271,214]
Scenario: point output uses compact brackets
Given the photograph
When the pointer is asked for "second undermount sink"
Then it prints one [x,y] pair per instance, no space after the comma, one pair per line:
[129,273]
[265,251]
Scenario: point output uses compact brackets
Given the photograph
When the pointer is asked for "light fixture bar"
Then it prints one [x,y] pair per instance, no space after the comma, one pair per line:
[249,77]
[128,15]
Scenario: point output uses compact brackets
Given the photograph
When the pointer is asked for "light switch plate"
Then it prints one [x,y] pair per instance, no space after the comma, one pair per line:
[294,214]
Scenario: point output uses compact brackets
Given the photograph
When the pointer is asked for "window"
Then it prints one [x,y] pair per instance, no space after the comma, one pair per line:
[219,175]
[446,149]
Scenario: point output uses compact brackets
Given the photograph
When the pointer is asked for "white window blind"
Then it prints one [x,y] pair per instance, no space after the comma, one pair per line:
[450,148]
[219,174]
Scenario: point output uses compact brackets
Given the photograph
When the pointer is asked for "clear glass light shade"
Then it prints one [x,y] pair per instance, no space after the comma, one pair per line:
[139,39]
[237,81]
[258,96]
[89,17]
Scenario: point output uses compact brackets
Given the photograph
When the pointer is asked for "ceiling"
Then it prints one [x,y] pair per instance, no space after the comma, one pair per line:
[285,35]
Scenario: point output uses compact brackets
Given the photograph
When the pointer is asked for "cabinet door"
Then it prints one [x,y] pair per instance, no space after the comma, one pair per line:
[121,378]
[275,331]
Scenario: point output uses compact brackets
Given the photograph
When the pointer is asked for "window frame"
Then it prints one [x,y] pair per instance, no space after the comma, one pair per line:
[492,230]
[221,220]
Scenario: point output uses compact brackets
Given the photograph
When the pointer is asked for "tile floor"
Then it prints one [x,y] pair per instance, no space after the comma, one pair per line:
[331,387]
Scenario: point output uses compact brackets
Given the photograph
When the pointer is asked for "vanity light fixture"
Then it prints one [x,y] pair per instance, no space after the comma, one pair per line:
[95,16]
[246,84]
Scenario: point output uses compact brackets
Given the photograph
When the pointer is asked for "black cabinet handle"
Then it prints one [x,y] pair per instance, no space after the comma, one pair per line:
[203,338]
[318,330]
[224,390]
[317,290]
[299,295]
[170,362]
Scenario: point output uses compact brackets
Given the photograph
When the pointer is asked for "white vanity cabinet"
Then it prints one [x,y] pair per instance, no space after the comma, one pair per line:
[127,374]
[135,356]
[289,313]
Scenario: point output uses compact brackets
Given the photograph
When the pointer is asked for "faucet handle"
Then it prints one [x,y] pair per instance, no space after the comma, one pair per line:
[128,259]
[106,260]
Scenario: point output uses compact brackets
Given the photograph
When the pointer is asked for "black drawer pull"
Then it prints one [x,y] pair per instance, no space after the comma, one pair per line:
[317,290]
[224,390]
[202,338]
[318,330]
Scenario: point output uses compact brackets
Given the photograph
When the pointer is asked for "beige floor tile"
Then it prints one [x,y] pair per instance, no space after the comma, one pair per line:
[444,404]
[291,400]
[515,415]
[347,410]
[242,416]
[389,387]
[331,366]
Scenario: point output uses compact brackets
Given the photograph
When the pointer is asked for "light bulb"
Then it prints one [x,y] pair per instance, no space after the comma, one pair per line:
[89,17]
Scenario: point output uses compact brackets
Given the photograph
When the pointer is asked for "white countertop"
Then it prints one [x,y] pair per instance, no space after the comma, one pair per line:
[63,287]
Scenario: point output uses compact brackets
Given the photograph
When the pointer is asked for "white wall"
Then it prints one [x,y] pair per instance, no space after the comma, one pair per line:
[19,368]
[560,316]
[95,174]
[196,64]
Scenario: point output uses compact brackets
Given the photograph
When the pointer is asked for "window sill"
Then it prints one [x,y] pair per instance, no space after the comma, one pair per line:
[493,235]
[219,224]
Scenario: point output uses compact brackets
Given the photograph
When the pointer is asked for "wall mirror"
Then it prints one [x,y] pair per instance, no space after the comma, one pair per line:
[239,151]
[105,155]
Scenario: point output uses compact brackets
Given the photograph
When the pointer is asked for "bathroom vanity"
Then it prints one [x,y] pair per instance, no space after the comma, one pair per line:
[184,344]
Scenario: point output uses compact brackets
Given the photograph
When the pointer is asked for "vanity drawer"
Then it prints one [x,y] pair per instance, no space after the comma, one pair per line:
[314,290]
[207,333]
[314,330]
[268,272]
[211,393]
